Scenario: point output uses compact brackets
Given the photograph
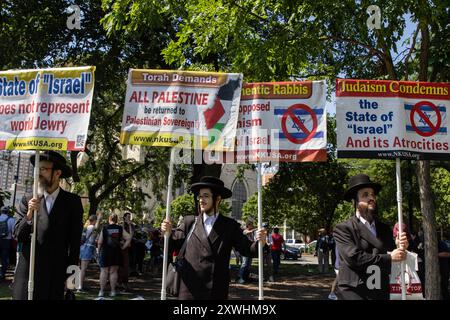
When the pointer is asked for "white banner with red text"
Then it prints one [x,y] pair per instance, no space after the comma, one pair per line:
[392,119]
[45,109]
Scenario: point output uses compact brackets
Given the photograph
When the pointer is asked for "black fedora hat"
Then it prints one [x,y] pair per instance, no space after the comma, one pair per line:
[358,182]
[215,184]
[59,162]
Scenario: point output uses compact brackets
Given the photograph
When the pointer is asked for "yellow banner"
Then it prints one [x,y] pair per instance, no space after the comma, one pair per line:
[164,139]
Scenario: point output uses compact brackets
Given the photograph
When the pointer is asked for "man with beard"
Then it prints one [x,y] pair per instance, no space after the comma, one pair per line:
[363,242]
[209,237]
[58,236]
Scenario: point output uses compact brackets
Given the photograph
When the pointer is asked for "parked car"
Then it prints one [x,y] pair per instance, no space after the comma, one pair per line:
[290,253]
[295,243]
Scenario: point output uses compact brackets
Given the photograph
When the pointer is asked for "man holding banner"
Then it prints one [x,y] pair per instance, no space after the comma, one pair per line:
[59,227]
[363,242]
[205,256]
[46,109]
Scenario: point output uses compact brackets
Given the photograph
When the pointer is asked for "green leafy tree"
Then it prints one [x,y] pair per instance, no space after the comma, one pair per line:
[110,181]
[440,187]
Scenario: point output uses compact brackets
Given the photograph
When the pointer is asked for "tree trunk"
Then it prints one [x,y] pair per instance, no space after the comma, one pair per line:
[93,203]
[432,275]
[93,208]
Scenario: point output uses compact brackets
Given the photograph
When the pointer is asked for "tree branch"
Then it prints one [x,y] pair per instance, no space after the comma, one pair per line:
[387,58]
[121,180]
[73,162]
[424,48]
[371,49]
[320,74]
[410,52]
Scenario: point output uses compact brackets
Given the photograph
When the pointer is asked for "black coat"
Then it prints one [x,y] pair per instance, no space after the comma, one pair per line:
[359,249]
[205,273]
[57,246]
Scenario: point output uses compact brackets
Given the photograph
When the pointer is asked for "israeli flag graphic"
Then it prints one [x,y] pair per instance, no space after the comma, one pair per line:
[303,117]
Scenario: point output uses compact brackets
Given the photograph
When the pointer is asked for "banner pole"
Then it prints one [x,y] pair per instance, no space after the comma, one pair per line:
[400,221]
[33,235]
[260,246]
[167,235]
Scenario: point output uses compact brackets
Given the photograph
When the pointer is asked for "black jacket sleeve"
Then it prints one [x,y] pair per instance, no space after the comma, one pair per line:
[180,233]
[354,256]
[22,229]
[241,242]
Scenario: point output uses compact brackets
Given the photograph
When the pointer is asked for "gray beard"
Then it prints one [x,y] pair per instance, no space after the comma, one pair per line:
[41,189]
[43,185]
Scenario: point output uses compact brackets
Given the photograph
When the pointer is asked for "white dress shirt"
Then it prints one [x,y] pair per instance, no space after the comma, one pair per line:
[208,222]
[50,199]
[370,226]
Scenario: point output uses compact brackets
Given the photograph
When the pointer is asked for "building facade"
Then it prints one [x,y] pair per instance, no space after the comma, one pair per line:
[16,175]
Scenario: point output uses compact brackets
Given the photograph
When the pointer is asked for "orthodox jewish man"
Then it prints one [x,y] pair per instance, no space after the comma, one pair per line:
[59,227]
[363,243]
[206,255]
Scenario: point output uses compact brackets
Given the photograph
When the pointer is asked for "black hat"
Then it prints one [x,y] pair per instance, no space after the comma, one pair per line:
[58,161]
[214,183]
[358,182]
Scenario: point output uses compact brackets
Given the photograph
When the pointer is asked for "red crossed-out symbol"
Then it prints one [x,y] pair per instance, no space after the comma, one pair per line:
[434,127]
[290,112]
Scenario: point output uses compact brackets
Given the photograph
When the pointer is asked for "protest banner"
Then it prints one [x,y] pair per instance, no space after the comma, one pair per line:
[281,122]
[392,119]
[181,108]
[45,109]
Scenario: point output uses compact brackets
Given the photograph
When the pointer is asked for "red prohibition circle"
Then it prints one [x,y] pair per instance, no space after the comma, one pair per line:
[290,112]
[434,128]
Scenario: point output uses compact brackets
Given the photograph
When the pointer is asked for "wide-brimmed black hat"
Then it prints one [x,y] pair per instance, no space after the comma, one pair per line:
[215,184]
[59,162]
[358,182]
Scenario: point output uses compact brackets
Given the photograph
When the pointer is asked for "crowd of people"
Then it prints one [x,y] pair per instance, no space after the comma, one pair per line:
[121,249]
